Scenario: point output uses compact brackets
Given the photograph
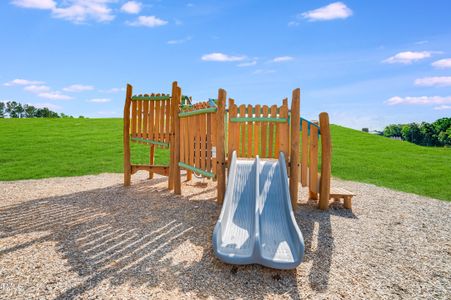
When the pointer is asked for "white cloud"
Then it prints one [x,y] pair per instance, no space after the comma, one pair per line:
[23,82]
[75,88]
[180,41]
[422,100]
[442,107]
[282,58]
[248,64]
[442,63]
[407,57]
[434,81]
[36,4]
[336,10]
[100,100]
[37,88]
[217,56]
[113,90]
[131,7]
[77,11]
[148,21]
[54,95]
[293,23]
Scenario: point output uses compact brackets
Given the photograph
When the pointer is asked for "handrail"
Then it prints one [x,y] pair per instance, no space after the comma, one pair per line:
[197,112]
[310,123]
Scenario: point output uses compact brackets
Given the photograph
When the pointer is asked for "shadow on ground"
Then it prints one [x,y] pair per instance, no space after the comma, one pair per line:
[140,235]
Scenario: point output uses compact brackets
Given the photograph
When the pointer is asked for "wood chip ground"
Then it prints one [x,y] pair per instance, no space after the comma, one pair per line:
[90,238]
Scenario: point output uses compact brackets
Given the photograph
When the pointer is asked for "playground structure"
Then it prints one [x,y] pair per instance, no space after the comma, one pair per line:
[202,138]
[261,148]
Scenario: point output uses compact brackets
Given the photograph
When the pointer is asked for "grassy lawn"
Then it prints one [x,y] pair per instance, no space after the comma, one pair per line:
[39,148]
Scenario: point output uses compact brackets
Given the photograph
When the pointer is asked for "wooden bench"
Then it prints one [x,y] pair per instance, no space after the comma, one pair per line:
[341,193]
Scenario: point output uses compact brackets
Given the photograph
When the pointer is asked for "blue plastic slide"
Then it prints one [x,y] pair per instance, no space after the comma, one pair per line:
[257,224]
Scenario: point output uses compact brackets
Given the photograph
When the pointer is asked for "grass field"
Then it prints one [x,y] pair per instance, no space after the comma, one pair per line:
[39,148]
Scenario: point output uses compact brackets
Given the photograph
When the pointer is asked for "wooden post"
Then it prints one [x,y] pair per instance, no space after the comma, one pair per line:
[326,159]
[220,146]
[172,148]
[294,151]
[177,179]
[127,163]
[313,166]
[304,154]
[151,159]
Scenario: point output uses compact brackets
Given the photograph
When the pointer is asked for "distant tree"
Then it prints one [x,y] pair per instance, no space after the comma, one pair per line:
[444,137]
[411,133]
[81,117]
[393,130]
[20,111]
[11,109]
[30,111]
[2,109]
[428,135]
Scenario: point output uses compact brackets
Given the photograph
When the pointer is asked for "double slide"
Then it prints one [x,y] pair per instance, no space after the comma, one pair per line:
[257,224]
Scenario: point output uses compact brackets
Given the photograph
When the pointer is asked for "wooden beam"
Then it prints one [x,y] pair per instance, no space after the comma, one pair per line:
[294,151]
[162,170]
[220,146]
[127,167]
[177,178]
[326,160]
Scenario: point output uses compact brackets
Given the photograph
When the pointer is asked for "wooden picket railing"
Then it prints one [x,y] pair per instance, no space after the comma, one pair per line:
[318,183]
[201,135]
[258,130]
[149,119]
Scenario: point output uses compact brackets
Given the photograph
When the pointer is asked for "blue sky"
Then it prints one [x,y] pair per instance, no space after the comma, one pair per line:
[367,63]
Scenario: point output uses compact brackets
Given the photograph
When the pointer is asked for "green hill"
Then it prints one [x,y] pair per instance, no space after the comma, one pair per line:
[39,148]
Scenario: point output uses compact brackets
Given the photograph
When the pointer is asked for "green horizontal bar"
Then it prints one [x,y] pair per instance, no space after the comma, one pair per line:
[149,141]
[259,119]
[151,98]
[197,170]
[198,112]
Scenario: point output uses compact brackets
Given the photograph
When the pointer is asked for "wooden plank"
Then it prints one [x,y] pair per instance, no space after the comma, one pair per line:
[167,119]
[304,153]
[264,132]
[197,142]
[220,150]
[177,178]
[326,160]
[162,170]
[203,141]
[182,140]
[242,111]
[162,114]
[156,131]
[151,157]
[257,132]
[294,149]
[313,164]
[145,131]
[249,135]
[284,145]
[151,119]
[133,121]
[191,135]
[140,115]
[209,144]
[126,136]
[232,129]
[271,152]
[172,162]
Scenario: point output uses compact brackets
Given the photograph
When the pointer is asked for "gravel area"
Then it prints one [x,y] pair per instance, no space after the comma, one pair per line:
[89,237]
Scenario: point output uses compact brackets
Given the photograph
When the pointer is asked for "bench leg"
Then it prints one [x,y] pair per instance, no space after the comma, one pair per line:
[348,202]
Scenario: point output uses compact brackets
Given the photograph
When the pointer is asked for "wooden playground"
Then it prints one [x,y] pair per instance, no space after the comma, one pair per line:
[202,137]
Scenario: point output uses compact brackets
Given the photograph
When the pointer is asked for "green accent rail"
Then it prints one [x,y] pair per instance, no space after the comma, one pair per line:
[198,112]
[151,98]
[309,124]
[150,141]
[259,119]
[197,170]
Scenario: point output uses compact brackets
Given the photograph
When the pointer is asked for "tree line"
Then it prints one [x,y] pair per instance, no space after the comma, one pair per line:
[14,109]
[437,133]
